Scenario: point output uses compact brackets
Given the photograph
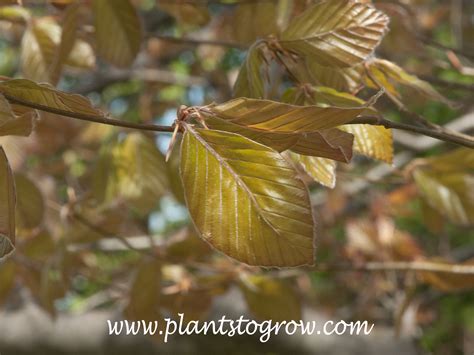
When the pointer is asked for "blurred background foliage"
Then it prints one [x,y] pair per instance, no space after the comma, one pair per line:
[101,217]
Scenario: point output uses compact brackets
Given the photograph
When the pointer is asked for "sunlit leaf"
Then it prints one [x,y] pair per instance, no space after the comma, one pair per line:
[251,79]
[321,170]
[133,170]
[271,299]
[7,207]
[246,200]
[373,141]
[266,115]
[388,75]
[45,95]
[338,33]
[118,31]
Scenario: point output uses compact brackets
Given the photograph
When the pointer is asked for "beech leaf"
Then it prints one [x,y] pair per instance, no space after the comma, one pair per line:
[246,200]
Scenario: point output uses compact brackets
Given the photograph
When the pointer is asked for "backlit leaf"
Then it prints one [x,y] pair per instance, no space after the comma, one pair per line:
[246,200]
[373,141]
[271,299]
[321,170]
[266,115]
[251,79]
[7,207]
[254,20]
[45,95]
[133,170]
[389,74]
[118,31]
[338,33]
[448,193]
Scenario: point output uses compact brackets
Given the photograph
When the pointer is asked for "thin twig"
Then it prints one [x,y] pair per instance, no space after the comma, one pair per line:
[90,118]
[452,137]
[198,42]
[424,266]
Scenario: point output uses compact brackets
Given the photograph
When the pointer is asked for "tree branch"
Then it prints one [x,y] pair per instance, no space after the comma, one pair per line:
[440,133]
[90,118]
[425,266]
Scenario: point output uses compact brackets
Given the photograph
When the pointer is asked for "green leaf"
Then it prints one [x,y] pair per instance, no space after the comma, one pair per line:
[328,143]
[7,207]
[246,200]
[12,125]
[14,13]
[321,170]
[271,299]
[133,170]
[266,115]
[251,79]
[45,95]
[118,31]
[337,33]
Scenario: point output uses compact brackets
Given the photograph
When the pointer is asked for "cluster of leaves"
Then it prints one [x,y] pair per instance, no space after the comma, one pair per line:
[243,167]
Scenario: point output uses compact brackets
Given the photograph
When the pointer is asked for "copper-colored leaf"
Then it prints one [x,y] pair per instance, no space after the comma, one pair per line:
[246,200]
[7,207]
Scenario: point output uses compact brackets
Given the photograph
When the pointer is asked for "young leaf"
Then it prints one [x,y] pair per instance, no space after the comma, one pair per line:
[254,20]
[45,95]
[329,143]
[251,80]
[246,200]
[38,49]
[7,207]
[133,170]
[118,31]
[271,299]
[448,193]
[12,125]
[321,170]
[373,141]
[388,74]
[272,116]
[66,43]
[338,33]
